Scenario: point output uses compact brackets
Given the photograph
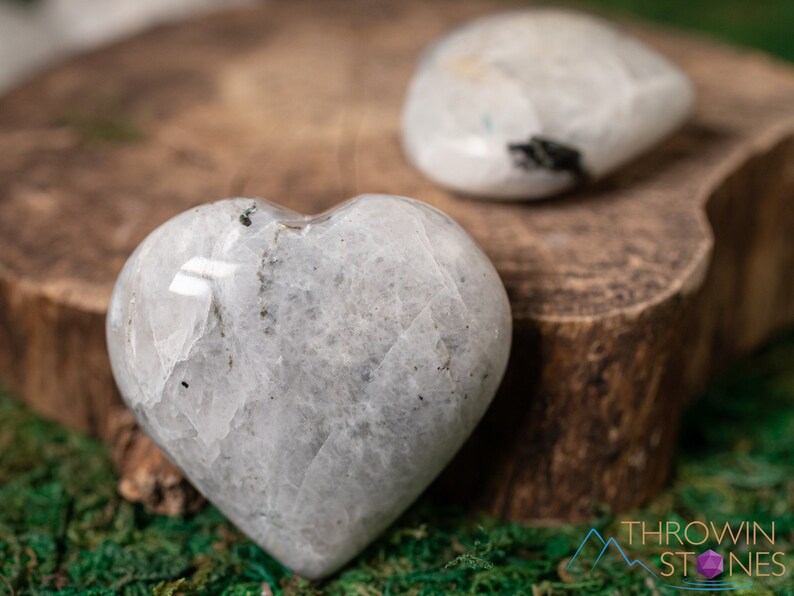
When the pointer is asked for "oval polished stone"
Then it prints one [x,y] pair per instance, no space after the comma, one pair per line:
[310,375]
[525,104]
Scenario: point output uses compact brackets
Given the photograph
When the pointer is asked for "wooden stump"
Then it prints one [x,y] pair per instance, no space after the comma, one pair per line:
[626,295]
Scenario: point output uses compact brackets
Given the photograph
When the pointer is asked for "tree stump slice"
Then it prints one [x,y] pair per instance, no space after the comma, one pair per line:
[626,295]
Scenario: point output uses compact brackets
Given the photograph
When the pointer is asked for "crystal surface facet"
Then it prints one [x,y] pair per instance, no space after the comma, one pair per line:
[499,107]
[310,376]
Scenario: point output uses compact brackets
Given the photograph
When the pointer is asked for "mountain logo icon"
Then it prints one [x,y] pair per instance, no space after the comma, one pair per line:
[688,584]
[594,535]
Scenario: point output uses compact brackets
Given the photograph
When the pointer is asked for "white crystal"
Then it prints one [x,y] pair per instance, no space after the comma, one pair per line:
[557,74]
[310,376]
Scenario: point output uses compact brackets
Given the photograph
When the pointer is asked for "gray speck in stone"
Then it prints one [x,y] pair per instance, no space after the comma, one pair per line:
[316,441]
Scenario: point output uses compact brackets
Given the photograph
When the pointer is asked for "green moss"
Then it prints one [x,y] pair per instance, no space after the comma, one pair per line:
[63,528]
[102,126]
[764,24]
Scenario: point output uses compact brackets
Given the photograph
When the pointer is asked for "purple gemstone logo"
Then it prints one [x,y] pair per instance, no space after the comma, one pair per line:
[710,564]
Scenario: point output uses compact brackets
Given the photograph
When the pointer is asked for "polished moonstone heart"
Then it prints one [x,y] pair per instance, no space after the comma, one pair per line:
[310,376]
[526,104]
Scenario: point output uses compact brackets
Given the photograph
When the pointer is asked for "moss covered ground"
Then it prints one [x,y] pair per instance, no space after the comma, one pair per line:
[64,530]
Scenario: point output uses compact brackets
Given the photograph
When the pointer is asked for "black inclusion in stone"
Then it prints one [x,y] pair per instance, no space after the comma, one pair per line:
[185,385]
[244,216]
[540,152]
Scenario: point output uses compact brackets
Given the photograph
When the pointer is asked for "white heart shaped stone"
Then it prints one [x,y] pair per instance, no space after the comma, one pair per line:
[310,376]
[524,104]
